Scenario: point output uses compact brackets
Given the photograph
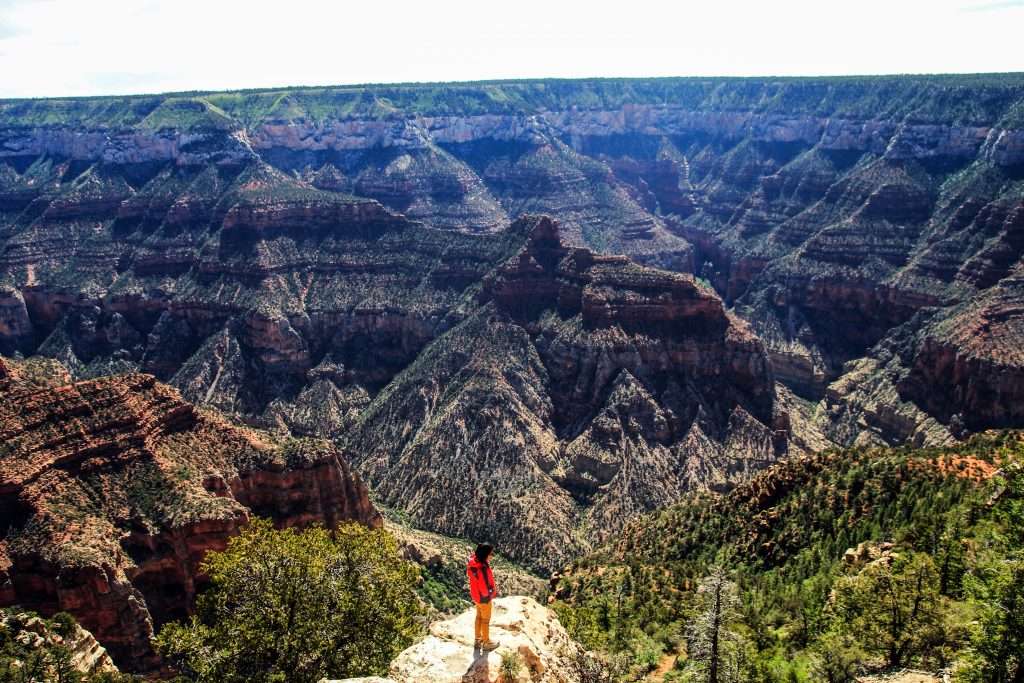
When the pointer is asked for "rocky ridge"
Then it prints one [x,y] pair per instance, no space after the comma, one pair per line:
[582,391]
[253,292]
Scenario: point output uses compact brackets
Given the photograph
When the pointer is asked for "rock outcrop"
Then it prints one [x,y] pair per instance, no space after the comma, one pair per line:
[520,625]
[966,366]
[85,654]
[113,490]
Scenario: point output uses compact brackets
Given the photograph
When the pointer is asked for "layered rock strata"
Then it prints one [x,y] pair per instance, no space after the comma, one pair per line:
[113,490]
[828,212]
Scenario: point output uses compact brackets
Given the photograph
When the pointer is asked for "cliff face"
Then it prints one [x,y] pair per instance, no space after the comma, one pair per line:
[265,251]
[584,390]
[113,490]
[250,290]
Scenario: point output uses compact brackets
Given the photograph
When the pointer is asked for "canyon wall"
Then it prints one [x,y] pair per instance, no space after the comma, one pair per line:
[827,212]
[113,490]
[350,263]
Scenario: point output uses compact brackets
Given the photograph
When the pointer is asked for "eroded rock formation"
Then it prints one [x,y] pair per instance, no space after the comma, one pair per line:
[584,389]
[113,490]
[193,235]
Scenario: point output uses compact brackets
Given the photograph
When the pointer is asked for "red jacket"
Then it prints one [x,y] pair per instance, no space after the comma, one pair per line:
[481,580]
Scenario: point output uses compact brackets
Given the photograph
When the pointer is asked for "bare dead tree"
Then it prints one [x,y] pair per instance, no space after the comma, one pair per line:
[591,668]
[712,644]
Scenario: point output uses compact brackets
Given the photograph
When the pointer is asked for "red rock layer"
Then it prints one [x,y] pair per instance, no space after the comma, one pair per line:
[112,491]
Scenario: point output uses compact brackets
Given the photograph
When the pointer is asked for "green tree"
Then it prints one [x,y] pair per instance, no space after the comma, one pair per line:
[297,606]
[998,642]
[892,607]
[837,659]
[997,590]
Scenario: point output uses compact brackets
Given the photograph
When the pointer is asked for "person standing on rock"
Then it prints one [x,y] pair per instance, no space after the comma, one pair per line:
[482,590]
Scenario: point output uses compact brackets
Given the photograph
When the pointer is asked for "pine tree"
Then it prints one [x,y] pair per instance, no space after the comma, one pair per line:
[892,606]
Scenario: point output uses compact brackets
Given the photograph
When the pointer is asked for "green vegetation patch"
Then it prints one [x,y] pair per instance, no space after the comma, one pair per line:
[834,565]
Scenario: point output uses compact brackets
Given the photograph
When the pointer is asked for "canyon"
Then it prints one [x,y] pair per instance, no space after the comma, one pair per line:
[844,219]
[520,311]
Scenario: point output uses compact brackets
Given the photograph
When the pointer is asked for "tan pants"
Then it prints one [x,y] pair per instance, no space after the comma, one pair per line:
[483,621]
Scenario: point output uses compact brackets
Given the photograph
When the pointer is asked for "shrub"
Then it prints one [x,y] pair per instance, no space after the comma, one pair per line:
[297,606]
[511,666]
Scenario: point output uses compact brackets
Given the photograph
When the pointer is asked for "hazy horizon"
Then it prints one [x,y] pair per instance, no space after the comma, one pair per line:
[401,84]
[56,48]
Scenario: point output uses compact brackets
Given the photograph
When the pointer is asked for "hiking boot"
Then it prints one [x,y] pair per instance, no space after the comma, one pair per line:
[489,645]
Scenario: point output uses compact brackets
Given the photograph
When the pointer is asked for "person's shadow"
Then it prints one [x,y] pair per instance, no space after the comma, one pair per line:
[478,671]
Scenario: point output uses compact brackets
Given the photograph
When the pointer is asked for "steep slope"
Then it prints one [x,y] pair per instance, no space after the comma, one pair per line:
[584,389]
[112,491]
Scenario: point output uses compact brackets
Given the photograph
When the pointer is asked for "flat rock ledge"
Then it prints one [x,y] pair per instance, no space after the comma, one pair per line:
[520,624]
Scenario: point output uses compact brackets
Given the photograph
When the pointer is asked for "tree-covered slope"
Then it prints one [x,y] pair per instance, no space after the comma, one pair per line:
[820,552]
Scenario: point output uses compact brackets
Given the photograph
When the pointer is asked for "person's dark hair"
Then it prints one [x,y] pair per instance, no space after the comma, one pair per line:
[482,551]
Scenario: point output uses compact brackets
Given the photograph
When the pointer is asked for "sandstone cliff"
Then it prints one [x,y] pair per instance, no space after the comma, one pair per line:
[113,490]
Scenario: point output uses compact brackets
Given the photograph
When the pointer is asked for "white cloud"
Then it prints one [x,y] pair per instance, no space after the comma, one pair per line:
[70,47]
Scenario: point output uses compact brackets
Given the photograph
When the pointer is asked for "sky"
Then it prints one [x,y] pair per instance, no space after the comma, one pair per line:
[97,47]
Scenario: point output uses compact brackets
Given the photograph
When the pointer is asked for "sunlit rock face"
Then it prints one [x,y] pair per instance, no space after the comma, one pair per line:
[520,626]
[113,490]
